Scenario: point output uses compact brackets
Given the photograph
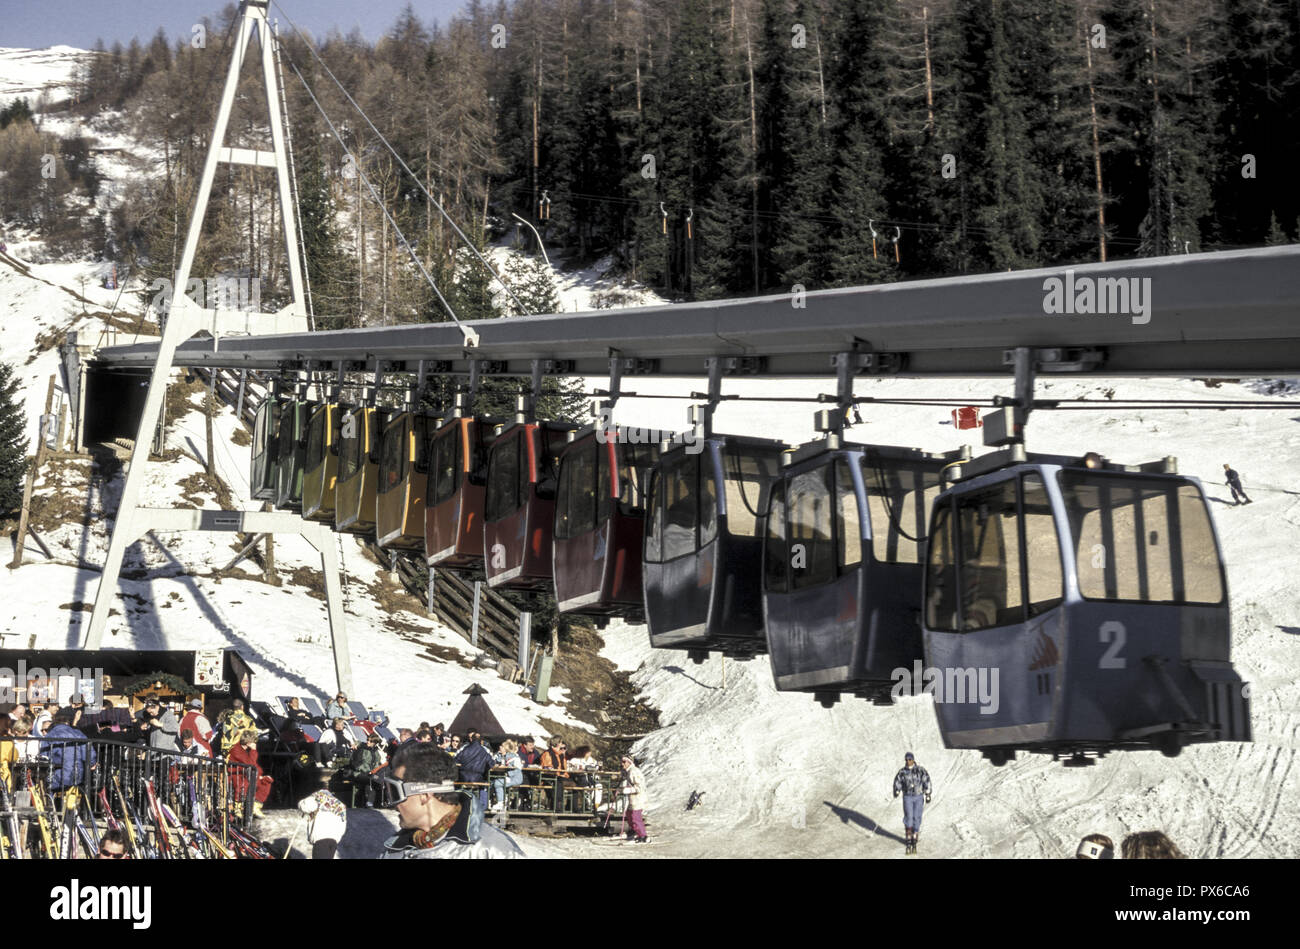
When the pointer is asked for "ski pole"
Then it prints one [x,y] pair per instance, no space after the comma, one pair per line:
[292,840]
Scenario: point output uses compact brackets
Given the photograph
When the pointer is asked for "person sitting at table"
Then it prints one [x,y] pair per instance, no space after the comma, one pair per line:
[530,758]
[335,743]
[507,757]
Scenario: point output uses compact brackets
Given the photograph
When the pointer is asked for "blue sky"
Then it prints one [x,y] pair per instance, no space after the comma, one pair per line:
[40,23]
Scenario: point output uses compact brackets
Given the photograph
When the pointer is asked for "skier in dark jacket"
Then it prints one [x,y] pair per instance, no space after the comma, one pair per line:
[913,782]
[68,751]
[366,760]
[1234,484]
[475,761]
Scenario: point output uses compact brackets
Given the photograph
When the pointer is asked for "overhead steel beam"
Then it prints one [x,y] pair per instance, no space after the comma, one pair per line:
[1233,313]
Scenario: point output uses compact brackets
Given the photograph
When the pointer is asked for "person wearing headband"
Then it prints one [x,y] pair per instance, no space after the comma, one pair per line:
[1095,847]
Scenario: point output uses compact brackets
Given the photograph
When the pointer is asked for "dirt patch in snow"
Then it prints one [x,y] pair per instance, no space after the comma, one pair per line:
[241,437]
[201,483]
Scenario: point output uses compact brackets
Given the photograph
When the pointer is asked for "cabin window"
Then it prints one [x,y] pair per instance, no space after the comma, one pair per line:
[352,451]
[393,454]
[316,436]
[680,502]
[288,433]
[261,433]
[974,578]
[941,574]
[899,498]
[747,477]
[503,492]
[708,510]
[445,454]
[576,504]
[550,443]
[420,431]
[812,544]
[652,550]
[848,526]
[1042,547]
[1141,539]
[480,437]
[604,503]
[634,464]
[776,554]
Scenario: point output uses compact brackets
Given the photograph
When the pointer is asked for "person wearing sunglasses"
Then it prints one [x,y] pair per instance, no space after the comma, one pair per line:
[437,820]
[112,846]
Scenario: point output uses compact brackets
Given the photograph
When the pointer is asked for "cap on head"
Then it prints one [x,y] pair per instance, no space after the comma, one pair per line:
[195,703]
[909,757]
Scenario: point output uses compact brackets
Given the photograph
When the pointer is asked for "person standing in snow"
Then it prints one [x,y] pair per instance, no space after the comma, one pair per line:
[633,789]
[913,782]
[1234,483]
[328,823]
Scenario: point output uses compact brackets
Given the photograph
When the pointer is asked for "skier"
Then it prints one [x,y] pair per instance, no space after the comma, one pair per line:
[199,727]
[234,721]
[912,781]
[329,821]
[633,789]
[245,753]
[160,725]
[69,753]
[474,762]
[1234,482]
[438,822]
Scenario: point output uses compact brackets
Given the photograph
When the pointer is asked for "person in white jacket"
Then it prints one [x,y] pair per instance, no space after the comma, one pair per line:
[328,823]
[633,789]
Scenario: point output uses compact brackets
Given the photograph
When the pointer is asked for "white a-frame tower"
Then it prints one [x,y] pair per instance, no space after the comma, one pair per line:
[187,318]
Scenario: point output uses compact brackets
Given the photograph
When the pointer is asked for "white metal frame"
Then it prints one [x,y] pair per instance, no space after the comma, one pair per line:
[185,318]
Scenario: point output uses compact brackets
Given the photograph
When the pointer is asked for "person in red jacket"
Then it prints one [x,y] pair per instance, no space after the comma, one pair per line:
[245,753]
[199,725]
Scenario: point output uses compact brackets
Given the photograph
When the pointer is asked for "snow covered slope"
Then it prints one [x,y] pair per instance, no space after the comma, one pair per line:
[32,72]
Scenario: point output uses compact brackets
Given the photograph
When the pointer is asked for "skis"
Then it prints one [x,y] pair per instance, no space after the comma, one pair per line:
[11,831]
[47,836]
[134,826]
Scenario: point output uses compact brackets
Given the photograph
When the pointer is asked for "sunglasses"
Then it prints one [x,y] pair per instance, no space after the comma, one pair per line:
[112,856]
[394,791]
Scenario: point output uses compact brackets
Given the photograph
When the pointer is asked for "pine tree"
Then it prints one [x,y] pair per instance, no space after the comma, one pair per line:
[860,137]
[794,154]
[1275,235]
[13,441]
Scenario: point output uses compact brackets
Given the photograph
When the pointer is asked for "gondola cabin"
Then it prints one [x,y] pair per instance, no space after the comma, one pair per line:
[355,493]
[519,504]
[263,477]
[403,482]
[453,513]
[600,523]
[702,556]
[845,539]
[1073,607]
[321,462]
[291,458]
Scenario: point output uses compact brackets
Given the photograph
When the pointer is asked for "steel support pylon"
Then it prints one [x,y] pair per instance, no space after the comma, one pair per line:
[186,317]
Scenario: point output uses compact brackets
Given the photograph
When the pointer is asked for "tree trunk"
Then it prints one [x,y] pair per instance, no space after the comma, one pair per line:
[1096,148]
